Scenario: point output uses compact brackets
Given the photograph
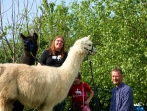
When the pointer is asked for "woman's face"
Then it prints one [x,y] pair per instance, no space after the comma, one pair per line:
[59,44]
[77,81]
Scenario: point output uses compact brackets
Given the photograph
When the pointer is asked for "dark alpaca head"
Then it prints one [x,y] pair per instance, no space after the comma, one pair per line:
[30,48]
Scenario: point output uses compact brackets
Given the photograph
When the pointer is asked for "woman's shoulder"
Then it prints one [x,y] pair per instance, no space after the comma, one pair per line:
[46,51]
[65,54]
[83,83]
[86,84]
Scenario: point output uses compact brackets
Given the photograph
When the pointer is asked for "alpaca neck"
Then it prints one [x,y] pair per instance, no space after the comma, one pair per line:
[72,64]
[28,58]
[73,60]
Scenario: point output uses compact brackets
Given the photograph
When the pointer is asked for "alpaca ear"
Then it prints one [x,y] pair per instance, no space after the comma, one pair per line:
[22,36]
[86,39]
[35,35]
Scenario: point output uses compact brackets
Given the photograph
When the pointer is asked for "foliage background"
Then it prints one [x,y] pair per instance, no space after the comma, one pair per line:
[118,30]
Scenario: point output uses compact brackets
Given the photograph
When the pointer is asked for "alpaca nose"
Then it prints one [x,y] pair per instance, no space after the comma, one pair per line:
[94,50]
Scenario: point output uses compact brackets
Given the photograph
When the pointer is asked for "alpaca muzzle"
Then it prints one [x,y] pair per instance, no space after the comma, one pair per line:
[91,51]
[30,45]
[94,50]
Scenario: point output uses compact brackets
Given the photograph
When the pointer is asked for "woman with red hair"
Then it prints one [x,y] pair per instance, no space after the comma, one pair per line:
[55,56]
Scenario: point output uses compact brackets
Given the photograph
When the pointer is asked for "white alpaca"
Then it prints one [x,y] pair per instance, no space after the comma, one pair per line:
[41,87]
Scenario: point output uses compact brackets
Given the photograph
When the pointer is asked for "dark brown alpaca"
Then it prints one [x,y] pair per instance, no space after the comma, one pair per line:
[30,48]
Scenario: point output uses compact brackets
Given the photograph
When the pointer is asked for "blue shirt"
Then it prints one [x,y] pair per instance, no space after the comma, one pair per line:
[122,98]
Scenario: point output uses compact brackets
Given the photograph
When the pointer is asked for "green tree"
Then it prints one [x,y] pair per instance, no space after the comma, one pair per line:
[118,30]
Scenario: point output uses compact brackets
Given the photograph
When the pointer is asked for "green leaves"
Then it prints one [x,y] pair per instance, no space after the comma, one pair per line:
[120,40]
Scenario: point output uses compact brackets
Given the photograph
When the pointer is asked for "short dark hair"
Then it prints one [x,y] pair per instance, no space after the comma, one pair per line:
[118,70]
[79,76]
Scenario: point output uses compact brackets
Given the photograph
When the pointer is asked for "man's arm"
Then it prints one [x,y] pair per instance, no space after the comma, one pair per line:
[127,103]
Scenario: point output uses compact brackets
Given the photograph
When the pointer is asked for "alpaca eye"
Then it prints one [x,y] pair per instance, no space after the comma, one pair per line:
[89,44]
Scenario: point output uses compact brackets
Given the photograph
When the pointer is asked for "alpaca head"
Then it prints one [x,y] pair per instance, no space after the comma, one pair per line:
[30,42]
[86,46]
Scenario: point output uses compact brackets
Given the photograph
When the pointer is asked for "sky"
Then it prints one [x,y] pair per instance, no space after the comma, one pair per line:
[8,5]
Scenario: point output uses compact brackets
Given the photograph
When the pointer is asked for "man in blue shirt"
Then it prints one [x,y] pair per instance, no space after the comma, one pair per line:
[122,96]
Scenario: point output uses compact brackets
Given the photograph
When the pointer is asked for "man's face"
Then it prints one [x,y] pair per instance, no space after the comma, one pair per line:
[116,78]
